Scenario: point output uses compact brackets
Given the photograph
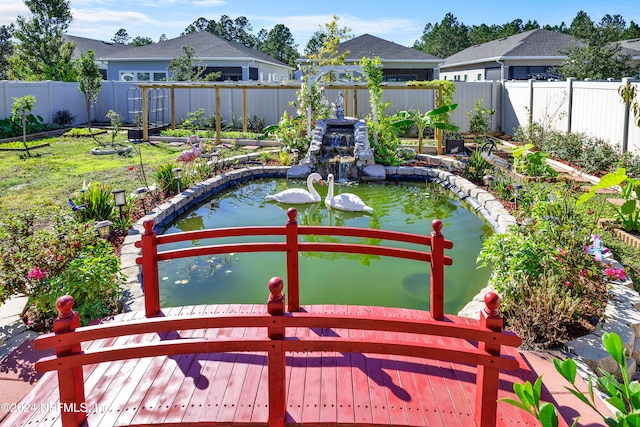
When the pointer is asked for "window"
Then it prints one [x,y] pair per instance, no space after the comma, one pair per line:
[465,77]
[143,76]
[479,77]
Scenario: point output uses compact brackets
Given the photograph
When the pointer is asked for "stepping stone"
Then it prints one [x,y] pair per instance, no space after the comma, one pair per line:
[618,202]
[175,144]
[250,147]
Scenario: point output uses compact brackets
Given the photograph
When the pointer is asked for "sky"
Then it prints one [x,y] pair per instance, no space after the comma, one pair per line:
[402,22]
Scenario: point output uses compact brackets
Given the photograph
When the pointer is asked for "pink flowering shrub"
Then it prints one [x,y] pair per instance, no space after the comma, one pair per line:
[552,288]
[41,262]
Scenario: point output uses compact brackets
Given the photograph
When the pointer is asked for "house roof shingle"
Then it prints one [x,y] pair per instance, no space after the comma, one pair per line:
[99,47]
[631,47]
[533,43]
[207,46]
[370,46]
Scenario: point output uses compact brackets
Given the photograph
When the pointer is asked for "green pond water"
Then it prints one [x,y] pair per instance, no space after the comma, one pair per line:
[328,278]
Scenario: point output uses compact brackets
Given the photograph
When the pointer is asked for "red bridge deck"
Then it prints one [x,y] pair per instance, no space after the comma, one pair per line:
[327,388]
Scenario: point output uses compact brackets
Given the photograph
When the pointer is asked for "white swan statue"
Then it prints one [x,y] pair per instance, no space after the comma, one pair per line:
[345,201]
[297,196]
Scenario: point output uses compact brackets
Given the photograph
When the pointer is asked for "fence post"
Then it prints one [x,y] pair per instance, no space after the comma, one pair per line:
[276,357]
[437,271]
[73,408]
[293,275]
[488,378]
[150,270]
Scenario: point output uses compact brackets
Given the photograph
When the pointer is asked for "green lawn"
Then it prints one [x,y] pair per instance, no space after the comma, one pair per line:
[55,173]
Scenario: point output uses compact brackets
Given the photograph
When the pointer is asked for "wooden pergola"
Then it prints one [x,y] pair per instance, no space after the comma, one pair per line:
[350,91]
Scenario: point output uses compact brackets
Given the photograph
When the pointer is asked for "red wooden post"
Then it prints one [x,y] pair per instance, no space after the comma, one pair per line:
[275,303]
[487,378]
[150,270]
[73,408]
[437,271]
[276,356]
[293,277]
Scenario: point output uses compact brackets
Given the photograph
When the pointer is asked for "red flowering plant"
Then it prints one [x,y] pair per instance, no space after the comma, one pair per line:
[552,289]
[35,254]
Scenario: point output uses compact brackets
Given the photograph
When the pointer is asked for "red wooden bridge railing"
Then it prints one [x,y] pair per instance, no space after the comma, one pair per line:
[68,337]
[276,342]
[292,245]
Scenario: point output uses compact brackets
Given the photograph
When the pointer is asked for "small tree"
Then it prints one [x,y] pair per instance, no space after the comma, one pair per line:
[184,68]
[20,109]
[379,125]
[89,80]
[479,120]
[141,41]
[121,36]
[116,125]
[430,119]
[40,51]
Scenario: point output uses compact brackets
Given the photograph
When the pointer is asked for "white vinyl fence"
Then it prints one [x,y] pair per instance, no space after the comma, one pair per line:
[590,107]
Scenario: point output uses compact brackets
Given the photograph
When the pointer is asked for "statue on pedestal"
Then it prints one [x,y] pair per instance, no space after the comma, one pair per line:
[340,106]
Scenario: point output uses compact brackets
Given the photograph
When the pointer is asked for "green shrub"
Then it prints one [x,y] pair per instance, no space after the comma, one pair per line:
[477,168]
[197,120]
[591,155]
[598,156]
[480,119]
[265,156]
[534,134]
[631,162]
[532,163]
[291,133]
[255,124]
[199,171]
[25,245]
[98,203]
[63,118]
[93,279]
[164,178]
[543,264]
[11,127]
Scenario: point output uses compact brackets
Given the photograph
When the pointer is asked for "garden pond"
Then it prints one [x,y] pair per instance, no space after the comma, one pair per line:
[328,278]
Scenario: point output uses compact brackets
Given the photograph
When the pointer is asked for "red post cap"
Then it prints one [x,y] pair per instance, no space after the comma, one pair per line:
[492,302]
[64,305]
[148,226]
[276,284]
[292,213]
[436,224]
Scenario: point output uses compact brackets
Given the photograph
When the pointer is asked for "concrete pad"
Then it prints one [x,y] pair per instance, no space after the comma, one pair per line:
[17,371]
[11,309]
[15,341]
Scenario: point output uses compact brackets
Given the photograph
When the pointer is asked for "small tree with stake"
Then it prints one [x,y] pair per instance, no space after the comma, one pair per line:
[20,109]
[89,80]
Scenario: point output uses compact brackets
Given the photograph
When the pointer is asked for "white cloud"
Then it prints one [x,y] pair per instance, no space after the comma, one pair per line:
[93,16]
[398,30]
[102,24]
[209,3]
[10,10]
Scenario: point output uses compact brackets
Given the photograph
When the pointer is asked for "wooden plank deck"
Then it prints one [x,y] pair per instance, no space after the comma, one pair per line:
[231,388]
